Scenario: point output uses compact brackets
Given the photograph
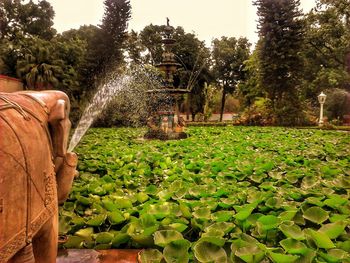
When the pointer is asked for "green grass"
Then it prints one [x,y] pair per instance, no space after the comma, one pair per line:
[236,194]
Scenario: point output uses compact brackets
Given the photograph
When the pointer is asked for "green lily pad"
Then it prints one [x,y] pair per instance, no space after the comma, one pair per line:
[74,242]
[291,230]
[333,230]
[250,253]
[335,201]
[282,258]
[116,217]
[178,227]
[222,216]
[177,251]
[119,239]
[316,214]
[207,252]
[335,256]
[97,220]
[85,233]
[164,237]
[287,215]
[293,246]
[267,222]
[150,256]
[225,227]
[244,212]
[104,238]
[320,239]
[202,212]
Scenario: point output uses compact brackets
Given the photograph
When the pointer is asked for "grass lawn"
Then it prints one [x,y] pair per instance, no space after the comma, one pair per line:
[235,194]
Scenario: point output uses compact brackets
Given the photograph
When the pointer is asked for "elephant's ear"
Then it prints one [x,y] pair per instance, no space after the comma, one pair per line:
[58,112]
[59,127]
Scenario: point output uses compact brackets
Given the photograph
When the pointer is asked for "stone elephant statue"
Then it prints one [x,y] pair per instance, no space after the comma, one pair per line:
[36,173]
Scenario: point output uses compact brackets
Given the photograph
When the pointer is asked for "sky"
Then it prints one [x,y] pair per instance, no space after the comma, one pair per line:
[208,19]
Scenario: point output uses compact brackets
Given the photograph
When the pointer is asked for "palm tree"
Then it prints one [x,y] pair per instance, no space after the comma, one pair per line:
[38,69]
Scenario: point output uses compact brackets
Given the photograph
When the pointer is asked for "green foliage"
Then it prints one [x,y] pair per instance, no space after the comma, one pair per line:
[18,18]
[228,57]
[228,193]
[280,65]
[258,113]
[327,46]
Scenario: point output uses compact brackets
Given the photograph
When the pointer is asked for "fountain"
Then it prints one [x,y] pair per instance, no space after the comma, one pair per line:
[165,122]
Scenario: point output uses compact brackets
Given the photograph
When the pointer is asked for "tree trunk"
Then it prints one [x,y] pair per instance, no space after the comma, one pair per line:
[187,103]
[223,100]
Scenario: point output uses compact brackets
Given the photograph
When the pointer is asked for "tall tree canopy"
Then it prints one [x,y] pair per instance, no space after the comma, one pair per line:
[228,56]
[280,64]
[109,41]
[327,47]
[18,17]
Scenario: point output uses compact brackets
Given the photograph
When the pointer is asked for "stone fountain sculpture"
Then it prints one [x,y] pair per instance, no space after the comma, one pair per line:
[36,173]
[166,122]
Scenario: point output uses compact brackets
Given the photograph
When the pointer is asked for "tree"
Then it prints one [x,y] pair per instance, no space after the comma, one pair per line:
[228,56]
[280,64]
[26,18]
[134,48]
[250,89]
[109,41]
[327,48]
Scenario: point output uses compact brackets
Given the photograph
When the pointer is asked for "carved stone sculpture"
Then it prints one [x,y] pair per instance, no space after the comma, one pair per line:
[36,173]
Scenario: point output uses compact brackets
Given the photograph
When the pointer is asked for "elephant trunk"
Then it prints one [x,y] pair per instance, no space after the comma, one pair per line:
[65,175]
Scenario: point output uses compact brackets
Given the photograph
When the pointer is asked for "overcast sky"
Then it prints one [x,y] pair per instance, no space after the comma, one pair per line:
[209,19]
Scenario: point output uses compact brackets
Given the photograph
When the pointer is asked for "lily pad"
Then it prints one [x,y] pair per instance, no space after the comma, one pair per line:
[316,214]
[177,251]
[291,230]
[164,237]
[150,256]
[320,239]
[207,252]
[333,230]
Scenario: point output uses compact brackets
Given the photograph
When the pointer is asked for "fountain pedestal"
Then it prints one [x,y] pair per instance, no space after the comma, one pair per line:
[166,123]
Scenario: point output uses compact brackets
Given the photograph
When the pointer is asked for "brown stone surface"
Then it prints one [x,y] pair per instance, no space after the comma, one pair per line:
[100,256]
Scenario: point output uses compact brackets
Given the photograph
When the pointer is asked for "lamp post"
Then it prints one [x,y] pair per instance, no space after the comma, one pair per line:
[321,99]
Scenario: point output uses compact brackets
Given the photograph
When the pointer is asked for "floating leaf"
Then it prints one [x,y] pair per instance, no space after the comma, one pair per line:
[104,238]
[225,227]
[250,253]
[316,214]
[245,211]
[97,220]
[291,230]
[164,237]
[336,256]
[207,252]
[178,226]
[74,242]
[120,238]
[150,256]
[282,258]
[335,201]
[222,216]
[202,212]
[333,230]
[321,239]
[85,233]
[116,217]
[267,222]
[293,246]
[177,251]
